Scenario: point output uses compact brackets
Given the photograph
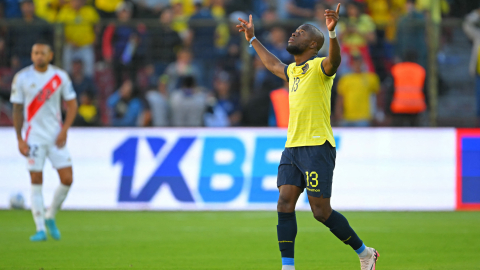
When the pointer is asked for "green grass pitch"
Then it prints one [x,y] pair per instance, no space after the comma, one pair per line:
[237,240]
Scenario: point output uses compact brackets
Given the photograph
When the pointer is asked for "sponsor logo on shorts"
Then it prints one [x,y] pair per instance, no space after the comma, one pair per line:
[313,190]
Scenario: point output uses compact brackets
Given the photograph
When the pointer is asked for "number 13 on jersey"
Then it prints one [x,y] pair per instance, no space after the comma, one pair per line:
[296,80]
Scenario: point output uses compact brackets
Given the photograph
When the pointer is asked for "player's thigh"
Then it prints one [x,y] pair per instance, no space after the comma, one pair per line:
[317,164]
[36,159]
[288,172]
[59,157]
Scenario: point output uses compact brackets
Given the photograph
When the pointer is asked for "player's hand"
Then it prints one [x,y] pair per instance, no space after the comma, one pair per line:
[332,18]
[246,27]
[61,139]
[23,147]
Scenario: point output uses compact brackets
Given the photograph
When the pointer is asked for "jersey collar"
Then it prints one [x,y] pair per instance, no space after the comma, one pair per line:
[301,64]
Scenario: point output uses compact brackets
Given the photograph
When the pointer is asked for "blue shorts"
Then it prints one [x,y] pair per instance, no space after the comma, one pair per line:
[309,167]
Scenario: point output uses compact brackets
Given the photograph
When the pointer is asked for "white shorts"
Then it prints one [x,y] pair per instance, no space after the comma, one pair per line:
[59,157]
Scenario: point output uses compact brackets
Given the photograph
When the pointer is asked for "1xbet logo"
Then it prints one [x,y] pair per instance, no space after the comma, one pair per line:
[167,172]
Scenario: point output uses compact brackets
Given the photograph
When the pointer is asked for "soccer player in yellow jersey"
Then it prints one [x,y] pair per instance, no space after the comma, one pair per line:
[309,156]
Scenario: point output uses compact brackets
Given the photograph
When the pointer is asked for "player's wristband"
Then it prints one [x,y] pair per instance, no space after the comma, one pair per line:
[332,34]
[251,40]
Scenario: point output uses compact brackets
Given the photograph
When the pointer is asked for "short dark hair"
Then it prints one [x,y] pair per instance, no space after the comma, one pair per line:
[188,81]
[44,42]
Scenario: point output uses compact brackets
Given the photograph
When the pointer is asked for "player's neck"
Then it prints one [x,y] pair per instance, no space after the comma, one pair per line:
[299,59]
[41,69]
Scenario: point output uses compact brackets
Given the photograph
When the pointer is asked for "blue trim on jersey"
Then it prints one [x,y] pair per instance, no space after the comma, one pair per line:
[288,261]
[303,63]
[286,72]
[361,249]
[323,70]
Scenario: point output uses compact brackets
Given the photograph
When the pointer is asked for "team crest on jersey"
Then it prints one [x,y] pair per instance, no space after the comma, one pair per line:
[305,68]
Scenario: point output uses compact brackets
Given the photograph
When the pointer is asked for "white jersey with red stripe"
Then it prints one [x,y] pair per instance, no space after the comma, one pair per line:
[41,94]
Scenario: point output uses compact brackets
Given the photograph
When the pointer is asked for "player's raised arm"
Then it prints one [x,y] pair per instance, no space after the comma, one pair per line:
[332,62]
[270,61]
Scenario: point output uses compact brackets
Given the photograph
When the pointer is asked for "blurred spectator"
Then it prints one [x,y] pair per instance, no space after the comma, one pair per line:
[269,16]
[263,79]
[79,20]
[354,108]
[180,21]
[158,101]
[434,8]
[300,9]
[222,31]
[188,104]
[82,83]
[87,111]
[260,7]
[411,34]
[225,111]
[408,98]
[106,8]
[165,42]
[319,21]
[150,8]
[124,45]
[244,6]
[125,106]
[181,68]
[22,36]
[47,9]
[277,44]
[203,38]
[279,115]
[3,51]
[471,28]
[357,31]
[11,8]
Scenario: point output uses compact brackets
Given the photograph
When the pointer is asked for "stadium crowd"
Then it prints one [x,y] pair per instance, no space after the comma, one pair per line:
[180,62]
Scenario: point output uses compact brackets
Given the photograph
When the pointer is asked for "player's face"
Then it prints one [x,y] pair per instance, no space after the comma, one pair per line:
[41,55]
[298,42]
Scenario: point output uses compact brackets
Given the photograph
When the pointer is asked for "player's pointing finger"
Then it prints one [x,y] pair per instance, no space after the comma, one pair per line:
[338,8]
[250,18]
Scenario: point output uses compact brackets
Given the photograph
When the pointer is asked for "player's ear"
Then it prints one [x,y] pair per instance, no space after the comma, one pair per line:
[313,45]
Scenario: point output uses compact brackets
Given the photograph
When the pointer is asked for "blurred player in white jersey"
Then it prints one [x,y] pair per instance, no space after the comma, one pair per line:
[37,91]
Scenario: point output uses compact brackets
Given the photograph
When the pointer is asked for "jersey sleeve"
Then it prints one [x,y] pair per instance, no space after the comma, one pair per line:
[17,95]
[286,72]
[68,93]
[323,70]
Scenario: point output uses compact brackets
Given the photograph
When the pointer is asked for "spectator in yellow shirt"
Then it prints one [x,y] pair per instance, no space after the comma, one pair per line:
[357,32]
[79,20]
[107,8]
[354,108]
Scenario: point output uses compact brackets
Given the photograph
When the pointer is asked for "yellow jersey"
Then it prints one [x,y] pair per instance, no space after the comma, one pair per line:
[356,90]
[79,25]
[309,103]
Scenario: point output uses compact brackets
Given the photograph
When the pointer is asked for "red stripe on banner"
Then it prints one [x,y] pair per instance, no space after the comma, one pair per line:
[464,133]
[47,91]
